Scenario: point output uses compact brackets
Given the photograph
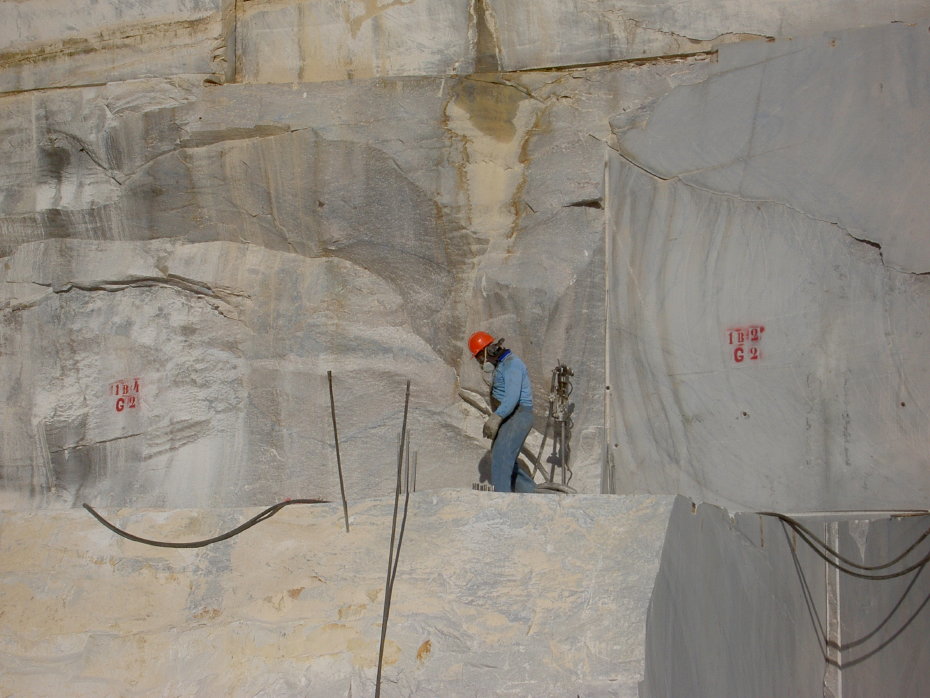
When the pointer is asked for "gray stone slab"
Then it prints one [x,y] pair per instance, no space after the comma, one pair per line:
[300,41]
[761,354]
[504,594]
[744,606]
[573,32]
[832,125]
[427,207]
[48,43]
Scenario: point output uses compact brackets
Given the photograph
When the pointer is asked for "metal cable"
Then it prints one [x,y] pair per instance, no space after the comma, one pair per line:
[258,518]
[816,544]
[799,527]
[342,486]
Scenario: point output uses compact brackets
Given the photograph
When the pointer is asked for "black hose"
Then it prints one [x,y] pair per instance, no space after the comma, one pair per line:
[258,518]
[815,544]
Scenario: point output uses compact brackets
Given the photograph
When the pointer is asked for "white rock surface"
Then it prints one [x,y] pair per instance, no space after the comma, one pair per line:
[323,40]
[533,595]
[228,396]
[49,43]
[374,223]
[593,31]
[823,408]
[832,125]
[438,207]
[743,607]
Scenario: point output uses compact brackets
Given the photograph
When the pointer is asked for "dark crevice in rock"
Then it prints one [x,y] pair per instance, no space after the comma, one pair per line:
[93,444]
[586,203]
[639,60]
[870,243]
[142,282]
[218,300]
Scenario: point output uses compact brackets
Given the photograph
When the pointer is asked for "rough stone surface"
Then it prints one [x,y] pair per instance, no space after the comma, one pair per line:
[314,40]
[534,595]
[832,125]
[743,607]
[47,43]
[823,407]
[710,212]
[228,245]
[594,31]
[227,400]
[301,41]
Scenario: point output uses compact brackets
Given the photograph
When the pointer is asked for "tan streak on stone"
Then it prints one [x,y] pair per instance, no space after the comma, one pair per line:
[108,39]
[372,9]
[494,120]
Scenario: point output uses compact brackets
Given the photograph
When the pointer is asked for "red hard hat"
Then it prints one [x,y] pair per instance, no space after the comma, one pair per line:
[478,341]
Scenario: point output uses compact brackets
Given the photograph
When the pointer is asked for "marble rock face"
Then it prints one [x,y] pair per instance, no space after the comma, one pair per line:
[784,622]
[229,245]
[179,231]
[47,43]
[300,41]
[319,40]
[711,213]
[491,590]
[769,304]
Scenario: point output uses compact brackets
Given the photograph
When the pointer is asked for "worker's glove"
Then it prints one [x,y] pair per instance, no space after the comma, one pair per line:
[492,425]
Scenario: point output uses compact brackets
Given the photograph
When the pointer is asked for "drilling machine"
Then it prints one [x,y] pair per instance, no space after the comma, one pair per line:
[559,420]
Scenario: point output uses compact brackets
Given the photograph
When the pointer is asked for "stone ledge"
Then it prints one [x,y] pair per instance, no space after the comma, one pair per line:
[510,594]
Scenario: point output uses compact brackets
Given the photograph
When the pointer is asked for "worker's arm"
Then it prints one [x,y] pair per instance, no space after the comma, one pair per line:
[512,378]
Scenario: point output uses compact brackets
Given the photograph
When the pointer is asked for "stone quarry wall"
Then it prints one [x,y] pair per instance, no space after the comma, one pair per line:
[744,607]
[206,206]
[713,213]
[506,595]
[494,593]
[770,289]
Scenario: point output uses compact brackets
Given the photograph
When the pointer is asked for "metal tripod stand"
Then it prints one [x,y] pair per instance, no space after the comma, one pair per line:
[560,421]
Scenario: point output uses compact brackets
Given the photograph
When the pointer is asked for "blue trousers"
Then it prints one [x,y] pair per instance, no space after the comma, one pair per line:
[506,475]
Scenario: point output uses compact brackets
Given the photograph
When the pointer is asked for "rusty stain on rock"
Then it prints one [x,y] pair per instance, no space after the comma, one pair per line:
[116,37]
[491,107]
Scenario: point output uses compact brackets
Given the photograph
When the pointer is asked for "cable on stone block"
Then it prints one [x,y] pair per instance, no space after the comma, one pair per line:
[823,550]
[258,518]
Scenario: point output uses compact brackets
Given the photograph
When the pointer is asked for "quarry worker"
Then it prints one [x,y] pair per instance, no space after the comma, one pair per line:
[512,416]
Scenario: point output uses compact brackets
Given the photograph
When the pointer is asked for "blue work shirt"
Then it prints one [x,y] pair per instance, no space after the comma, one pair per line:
[511,385]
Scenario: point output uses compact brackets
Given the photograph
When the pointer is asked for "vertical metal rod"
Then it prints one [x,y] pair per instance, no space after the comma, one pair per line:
[403,521]
[608,477]
[342,486]
[407,467]
[388,584]
[414,483]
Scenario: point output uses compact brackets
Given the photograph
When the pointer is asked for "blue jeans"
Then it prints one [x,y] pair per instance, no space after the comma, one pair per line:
[506,475]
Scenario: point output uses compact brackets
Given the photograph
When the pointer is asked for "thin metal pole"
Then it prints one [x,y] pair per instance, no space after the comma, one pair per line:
[403,521]
[342,485]
[388,585]
[407,467]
